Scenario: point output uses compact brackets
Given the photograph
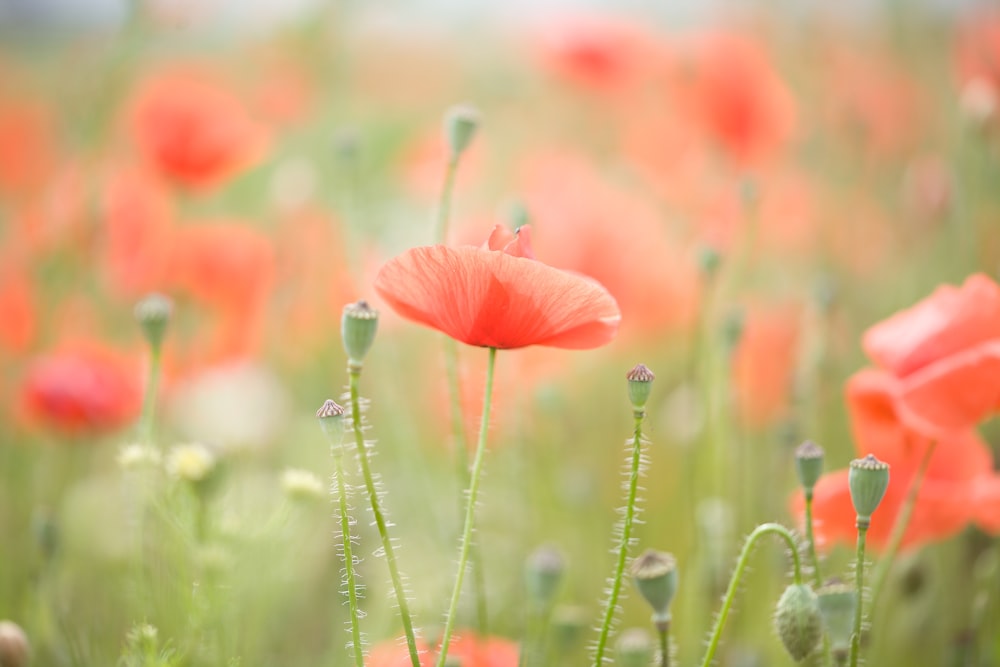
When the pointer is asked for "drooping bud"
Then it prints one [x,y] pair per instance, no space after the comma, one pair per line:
[460,125]
[837,605]
[809,465]
[14,647]
[798,621]
[640,383]
[153,315]
[543,574]
[655,575]
[867,479]
[357,327]
[331,420]
[635,648]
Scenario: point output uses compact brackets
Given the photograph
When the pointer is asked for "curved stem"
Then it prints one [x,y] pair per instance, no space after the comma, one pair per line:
[354,373]
[148,415]
[884,565]
[859,587]
[630,511]
[734,581]
[345,534]
[470,510]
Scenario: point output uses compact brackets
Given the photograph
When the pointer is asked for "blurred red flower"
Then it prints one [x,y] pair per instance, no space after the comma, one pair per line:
[764,363]
[81,387]
[472,651]
[496,296]
[18,310]
[945,352]
[27,146]
[193,131]
[978,53]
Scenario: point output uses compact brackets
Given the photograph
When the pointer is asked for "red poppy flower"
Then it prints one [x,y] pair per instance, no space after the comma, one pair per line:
[193,131]
[472,651]
[83,387]
[945,352]
[495,296]
[27,146]
[18,310]
[764,363]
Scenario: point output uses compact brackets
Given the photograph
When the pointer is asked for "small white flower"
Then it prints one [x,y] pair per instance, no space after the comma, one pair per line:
[136,456]
[301,484]
[191,462]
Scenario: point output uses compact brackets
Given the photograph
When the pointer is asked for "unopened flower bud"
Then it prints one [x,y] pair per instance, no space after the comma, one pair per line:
[798,621]
[14,647]
[331,419]
[460,125]
[357,327]
[301,485]
[809,465]
[543,573]
[709,261]
[655,575]
[867,479]
[635,648]
[837,605]
[640,383]
[153,315]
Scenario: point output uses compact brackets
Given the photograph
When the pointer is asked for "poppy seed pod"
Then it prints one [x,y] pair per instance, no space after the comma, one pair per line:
[655,575]
[640,381]
[837,605]
[809,465]
[798,621]
[14,647]
[153,315]
[635,648]
[868,479]
[357,327]
[331,420]
[460,125]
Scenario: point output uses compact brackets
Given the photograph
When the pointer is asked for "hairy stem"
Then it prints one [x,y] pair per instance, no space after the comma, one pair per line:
[148,416]
[663,630]
[345,534]
[860,588]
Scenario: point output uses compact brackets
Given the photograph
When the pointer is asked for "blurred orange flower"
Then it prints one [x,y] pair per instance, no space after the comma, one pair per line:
[81,387]
[193,131]
[27,146]
[18,310]
[764,363]
[978,52]
[945,352]
[470,650]
[496,296]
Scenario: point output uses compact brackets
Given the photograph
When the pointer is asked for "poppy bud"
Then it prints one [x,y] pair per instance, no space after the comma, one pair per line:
[331,420]
[543,573]
[655,575]
[640,380]
[709,260]
[798,621]
[868,479]
[14,647]
[153,315]
[837,605]
[357,327]
[635,648]
[460,125]
[809,465]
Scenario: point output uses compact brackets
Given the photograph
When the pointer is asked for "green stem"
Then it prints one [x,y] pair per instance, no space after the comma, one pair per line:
[148,416]
[376,504]
[630,511]
[470,510]
[881,570]
[734,581]
[664,631]
[860,587]
[444,205]
[345,534]
[811,541]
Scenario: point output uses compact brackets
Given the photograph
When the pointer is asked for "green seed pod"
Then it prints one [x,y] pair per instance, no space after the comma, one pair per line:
[153,315]
[635,648]
[460,125]
[868,479]
[655,575]
[331,420]
[357,327]
[640,381]
[543,574]
[798,621]
[809,465]
[837,605]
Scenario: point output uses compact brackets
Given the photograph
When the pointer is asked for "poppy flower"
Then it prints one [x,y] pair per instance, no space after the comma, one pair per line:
[945,353]
[27,146]
[81,387]
[470,650]
[764,363]
[193,131]
[18,309]
[497,296]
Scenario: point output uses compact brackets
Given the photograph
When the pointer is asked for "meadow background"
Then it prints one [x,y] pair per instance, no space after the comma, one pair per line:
[756,188]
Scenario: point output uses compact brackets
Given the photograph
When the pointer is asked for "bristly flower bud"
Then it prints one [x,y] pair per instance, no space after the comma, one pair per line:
[153,315]
[331,420]
[655,575]
[14,647]
[460,125]
[798,621]
[809,465]
[635,648]
[640,381]
[868,479]
[357,327]
[543,574]
[837,604]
